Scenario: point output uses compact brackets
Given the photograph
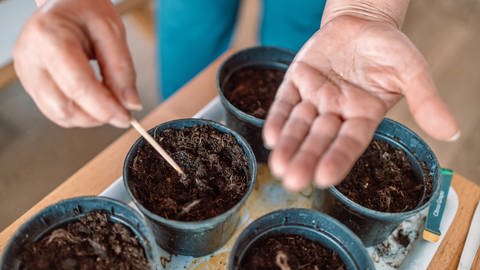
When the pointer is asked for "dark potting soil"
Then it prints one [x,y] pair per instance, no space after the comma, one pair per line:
[92,242]
[402,238]
[252,89]
[383,179]
[292,252]
[216,171]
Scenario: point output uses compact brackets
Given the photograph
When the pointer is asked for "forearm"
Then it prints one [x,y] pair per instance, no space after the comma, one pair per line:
[391,11]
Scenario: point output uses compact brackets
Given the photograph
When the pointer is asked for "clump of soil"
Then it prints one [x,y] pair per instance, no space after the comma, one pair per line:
[252,89]
[92,242]
[290,251]
[383,179]
[216,171]
[402,238]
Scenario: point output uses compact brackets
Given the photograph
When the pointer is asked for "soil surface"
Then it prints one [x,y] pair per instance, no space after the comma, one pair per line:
[92,242]
[383,179]
[291,252]
[216,171]
[252,89]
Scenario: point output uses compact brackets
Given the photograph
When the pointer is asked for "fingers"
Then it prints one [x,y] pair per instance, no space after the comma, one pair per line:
[302,166]
[287,97]
[72,73]
[307,79]
[111,49]
[58,108]
[70,33]
[428,109]
[353,138]
[292,135]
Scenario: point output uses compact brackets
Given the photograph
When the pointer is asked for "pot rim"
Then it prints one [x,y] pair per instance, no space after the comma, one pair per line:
[205,223]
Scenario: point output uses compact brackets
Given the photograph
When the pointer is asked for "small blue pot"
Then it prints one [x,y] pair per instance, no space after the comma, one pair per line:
[374,226]
[247,125]
[196,238]
[69,210]
[307,223]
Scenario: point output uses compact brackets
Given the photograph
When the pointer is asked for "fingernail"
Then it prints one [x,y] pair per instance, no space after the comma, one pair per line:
[322,185]
[291,186]
[268,147]
[267,142]
[131,100]
[277,170]
[119,123]
[455,136]
[307,192]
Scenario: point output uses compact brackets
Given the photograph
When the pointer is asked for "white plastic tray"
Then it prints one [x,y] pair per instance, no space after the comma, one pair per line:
[271,196]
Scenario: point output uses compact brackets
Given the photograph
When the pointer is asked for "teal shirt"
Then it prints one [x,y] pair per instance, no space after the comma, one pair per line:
[192,33]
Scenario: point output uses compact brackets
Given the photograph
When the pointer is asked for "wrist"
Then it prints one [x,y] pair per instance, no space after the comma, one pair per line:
[391,12]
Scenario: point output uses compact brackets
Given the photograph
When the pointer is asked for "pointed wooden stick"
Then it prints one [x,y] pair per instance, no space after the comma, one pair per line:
[282,260]
[155,145]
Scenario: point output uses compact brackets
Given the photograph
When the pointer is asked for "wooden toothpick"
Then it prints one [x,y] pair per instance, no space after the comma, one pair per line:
[282,260]
[155,145]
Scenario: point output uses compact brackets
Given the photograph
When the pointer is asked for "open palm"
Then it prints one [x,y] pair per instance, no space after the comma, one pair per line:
[339,87]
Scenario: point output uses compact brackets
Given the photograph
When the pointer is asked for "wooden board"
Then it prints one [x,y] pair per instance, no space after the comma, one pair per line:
[7,75]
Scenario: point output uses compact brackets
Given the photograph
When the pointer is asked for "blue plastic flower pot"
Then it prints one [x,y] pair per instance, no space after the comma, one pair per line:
[196,238]
[73,209]
[309,224]
[374,226]
[247,125]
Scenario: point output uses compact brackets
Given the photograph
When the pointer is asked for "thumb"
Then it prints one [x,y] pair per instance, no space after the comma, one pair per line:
[429,110]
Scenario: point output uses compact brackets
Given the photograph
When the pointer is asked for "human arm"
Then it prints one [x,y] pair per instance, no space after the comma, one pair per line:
[340,86]
[52,55]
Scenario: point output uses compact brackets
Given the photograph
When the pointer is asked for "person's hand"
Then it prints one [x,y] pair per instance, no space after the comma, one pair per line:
[336,92]
[52,56]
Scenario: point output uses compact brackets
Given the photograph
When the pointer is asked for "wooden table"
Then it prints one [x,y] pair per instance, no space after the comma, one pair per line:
[102,170]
